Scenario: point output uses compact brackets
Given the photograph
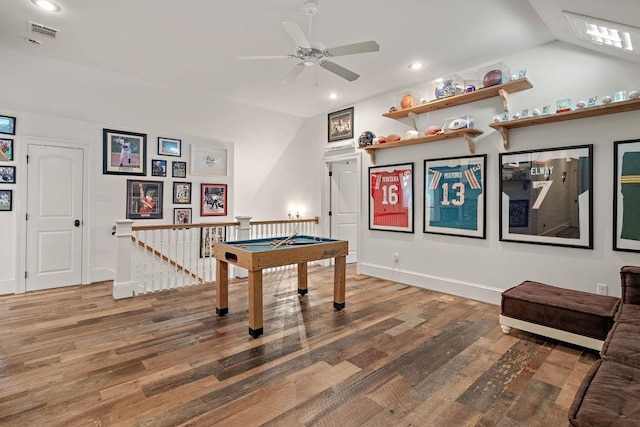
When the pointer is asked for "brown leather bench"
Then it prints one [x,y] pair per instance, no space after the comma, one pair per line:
[576,317]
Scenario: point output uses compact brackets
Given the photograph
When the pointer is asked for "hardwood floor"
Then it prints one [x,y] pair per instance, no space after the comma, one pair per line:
[396,356]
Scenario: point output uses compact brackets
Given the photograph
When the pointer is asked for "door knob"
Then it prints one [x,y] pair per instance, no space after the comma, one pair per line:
[76,223]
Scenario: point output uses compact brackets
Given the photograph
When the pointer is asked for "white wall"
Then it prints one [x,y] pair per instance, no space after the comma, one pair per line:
[481,269]
[55,101]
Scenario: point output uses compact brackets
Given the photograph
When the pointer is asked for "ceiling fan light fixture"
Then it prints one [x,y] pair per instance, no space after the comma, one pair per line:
[416,65]
[308,63]
[47,5]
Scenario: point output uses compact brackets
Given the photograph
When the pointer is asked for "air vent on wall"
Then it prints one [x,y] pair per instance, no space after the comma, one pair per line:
[42,30]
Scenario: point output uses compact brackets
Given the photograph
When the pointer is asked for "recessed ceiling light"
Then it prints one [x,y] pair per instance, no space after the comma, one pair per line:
[417,65]
[333,95]
[47,5]
[603,33]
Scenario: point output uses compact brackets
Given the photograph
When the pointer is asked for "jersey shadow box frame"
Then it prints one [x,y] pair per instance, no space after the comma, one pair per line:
[391,198]
[546,196]
[626,196]
[455,196]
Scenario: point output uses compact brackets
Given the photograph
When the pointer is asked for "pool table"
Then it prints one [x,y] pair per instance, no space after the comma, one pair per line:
[258,254]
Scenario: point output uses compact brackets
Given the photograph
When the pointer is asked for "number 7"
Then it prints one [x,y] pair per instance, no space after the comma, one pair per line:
[545,185]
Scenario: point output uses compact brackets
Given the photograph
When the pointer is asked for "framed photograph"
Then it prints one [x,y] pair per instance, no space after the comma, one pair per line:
[182,193]
[626,196]
[6,200]
[124,153]
[213,199]
[182,215]
[454,201]
[208,237]
[158,167]
[8,125]
[144,199]
[340,124]
[7,174]
[546,196]
[6,150]
[169,147]
[179,169]
[208,161]
[391,198]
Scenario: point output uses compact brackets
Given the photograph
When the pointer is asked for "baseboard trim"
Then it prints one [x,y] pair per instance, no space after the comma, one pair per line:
[445,285]
[102,275]
[7,287]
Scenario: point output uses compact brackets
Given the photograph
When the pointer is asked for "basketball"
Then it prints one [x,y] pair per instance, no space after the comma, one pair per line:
[492,78]
[393,137]
[433,130]
[408,101]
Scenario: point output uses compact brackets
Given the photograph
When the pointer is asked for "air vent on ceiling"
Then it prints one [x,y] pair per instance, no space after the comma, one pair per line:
[42,30]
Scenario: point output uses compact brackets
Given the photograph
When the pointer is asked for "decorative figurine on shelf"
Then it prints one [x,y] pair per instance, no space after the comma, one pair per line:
[522,74]
[366,138]
[592,101]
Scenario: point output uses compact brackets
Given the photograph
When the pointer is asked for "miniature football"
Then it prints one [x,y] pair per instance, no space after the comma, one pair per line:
[393,137]
[432,130]
[408,101]
[492,78]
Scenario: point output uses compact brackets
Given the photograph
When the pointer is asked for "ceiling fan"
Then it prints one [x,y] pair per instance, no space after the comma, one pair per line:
[313,53]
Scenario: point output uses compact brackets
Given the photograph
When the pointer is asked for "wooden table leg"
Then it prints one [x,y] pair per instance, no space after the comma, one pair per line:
[302,278]
[255,303]
[339,278]
[222,287]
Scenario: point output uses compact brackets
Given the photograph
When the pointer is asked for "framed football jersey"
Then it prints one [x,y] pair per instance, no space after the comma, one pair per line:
[546,196]
[391,198]
[626,194]
[454,199]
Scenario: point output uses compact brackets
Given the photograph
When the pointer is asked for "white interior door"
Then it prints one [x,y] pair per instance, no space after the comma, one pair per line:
[54,217]
[344,204]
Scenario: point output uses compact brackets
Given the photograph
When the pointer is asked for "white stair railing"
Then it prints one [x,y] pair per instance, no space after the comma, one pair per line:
[160,257]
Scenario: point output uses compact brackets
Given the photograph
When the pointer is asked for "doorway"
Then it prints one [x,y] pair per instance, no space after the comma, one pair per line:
[344,200]
[54,216]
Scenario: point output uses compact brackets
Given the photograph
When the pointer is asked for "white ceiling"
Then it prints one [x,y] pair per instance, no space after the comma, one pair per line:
[192,45]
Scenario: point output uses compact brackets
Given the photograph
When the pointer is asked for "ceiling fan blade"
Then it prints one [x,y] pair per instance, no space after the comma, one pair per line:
[263,57]
[339,70]
[296,34]
[350,49]
[293,73]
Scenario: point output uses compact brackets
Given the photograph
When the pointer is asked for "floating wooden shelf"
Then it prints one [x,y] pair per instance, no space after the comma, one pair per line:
[601,110]
[502,90]
[467,133]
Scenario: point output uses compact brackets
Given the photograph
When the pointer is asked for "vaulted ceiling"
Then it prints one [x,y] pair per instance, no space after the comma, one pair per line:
[193,45]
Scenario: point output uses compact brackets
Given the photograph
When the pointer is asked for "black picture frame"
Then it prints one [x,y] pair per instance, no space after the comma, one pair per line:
[144,199]
[7,150]
[8,125]
[555,185]
[218,233]
[7,174]
[6,200]
[178,169]
[124,153]
[626,189]
[169,147]
[340,125]
[181,193]
[391,198]
[182,215]
[455,196]
[158,167]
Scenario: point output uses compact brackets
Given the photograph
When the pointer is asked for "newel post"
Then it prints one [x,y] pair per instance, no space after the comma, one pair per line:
[124,285]
[244,233]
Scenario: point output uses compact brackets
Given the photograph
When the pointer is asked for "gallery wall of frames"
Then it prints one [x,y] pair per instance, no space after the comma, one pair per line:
[129,153]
